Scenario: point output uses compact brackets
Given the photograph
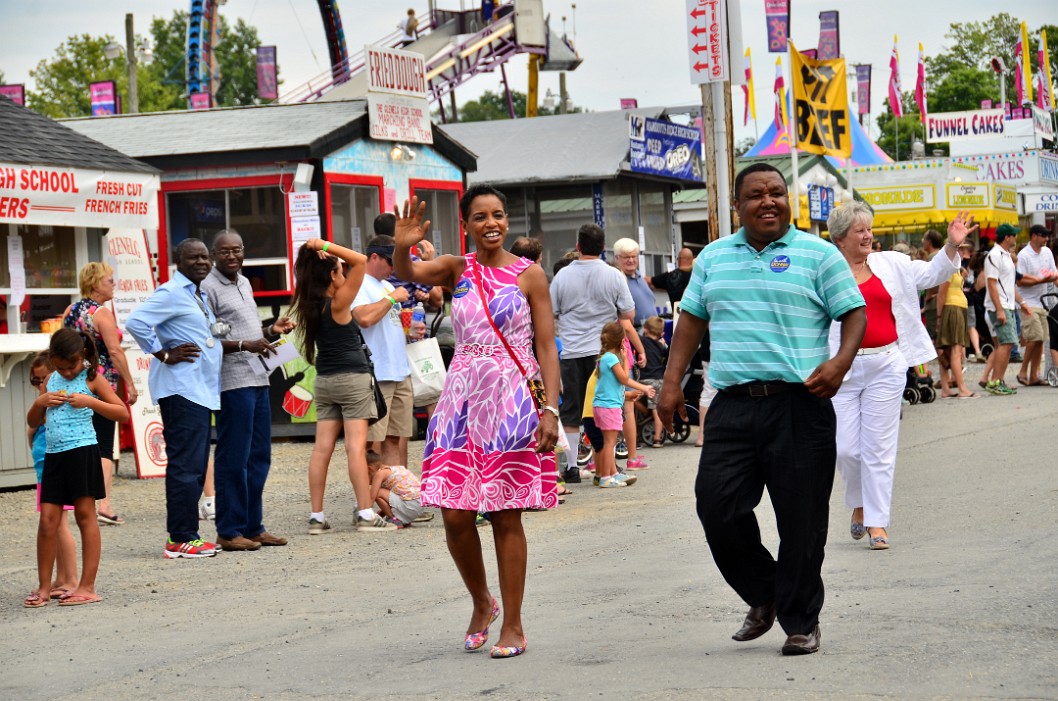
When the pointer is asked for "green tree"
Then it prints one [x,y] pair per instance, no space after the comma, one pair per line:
[744,145]
[493,105]
[907,129]
[62,81]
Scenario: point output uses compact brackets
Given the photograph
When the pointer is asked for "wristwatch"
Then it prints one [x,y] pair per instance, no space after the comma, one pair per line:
[552,409]
[165,357]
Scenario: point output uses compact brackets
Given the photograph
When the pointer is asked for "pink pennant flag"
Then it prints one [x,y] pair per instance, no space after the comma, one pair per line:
[920,85]
[894,82]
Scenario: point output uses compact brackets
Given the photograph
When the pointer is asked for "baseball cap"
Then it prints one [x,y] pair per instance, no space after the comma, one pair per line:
[1005,230]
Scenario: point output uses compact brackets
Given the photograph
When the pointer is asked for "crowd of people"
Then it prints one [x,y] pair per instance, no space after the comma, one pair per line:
[804,345]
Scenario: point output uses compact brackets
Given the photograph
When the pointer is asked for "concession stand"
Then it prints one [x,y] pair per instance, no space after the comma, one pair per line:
[60,193]
[279,175]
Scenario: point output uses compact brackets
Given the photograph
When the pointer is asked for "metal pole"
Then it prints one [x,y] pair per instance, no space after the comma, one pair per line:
[711,171]
[562,95]
[130,60]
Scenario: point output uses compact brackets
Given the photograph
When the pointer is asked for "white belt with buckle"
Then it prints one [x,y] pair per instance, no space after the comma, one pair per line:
[876,351]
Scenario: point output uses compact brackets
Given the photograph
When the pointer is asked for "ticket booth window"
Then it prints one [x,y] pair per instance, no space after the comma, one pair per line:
[442,209]
[353,212]
[52,257]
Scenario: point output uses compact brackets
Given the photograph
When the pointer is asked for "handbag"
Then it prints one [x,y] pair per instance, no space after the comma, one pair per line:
[535,386]
[380,399]
[427,370]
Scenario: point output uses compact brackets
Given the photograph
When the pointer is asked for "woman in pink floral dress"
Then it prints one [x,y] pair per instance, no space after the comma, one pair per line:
[489,448]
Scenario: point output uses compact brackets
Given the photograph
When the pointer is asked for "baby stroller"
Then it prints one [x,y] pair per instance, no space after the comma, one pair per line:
[919,389]
[1050,303]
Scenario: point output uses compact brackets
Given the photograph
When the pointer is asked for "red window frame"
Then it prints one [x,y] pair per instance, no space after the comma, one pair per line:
[284,180]
[347,179]
[452,186]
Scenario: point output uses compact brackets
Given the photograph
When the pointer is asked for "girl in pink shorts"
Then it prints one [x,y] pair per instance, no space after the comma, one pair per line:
[611,379]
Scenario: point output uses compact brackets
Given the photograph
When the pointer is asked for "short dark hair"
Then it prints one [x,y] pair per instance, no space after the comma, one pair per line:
[1039,230]
[185,244]
[591,240]
[559,264]
[385,224]
[934,238]
[755,168]
[479,190]
[527,247]
[381,240]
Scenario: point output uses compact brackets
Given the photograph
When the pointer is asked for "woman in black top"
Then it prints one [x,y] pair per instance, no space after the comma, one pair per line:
[343,392]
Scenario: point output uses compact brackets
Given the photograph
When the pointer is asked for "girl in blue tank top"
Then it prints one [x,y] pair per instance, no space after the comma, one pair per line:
[73,471]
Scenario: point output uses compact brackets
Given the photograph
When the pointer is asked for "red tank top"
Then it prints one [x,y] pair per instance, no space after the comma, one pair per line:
[881,325]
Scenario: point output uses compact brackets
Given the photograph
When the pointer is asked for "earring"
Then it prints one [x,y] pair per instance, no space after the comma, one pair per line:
[86,363]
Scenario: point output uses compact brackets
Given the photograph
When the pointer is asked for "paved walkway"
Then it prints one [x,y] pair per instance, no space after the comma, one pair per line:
[623,600]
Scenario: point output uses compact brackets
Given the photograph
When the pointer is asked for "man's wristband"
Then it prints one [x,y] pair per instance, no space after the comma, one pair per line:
[391,300]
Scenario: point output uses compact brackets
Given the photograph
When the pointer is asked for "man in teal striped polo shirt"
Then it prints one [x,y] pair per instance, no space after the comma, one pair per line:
[768,294]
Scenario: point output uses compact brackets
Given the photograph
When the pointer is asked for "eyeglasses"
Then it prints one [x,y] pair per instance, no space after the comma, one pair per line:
[36,381]
[229,252]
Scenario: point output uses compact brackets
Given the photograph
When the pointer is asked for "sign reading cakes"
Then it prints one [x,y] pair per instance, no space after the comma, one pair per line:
[396,95]
[965,126]
[657,147]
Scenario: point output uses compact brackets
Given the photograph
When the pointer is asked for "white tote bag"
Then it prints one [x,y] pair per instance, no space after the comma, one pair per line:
[427,370]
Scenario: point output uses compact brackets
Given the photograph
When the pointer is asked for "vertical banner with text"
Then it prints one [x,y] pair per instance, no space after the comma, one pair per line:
[267,80]
[103,96]
[15,93]
[821,105]
[777,14]
[863,88]
[829,36]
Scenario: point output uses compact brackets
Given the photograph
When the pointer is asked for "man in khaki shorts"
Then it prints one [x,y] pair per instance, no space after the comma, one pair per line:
[1037,269]
[376,310]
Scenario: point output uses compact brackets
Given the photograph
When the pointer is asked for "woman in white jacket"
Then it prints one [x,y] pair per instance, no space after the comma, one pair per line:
[868,404]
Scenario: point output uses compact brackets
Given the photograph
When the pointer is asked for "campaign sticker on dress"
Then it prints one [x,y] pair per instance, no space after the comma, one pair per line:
[780,264]
[462,288]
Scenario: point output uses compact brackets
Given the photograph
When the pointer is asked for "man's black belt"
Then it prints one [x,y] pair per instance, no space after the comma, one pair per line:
[762,389]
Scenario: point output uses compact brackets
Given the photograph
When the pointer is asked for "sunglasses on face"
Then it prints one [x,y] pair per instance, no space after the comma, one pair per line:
[36,381]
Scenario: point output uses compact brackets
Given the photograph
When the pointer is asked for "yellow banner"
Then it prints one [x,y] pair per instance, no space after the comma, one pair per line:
[821,105]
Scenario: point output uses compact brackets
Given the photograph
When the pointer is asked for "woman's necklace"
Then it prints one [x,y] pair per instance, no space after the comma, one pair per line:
[863,267]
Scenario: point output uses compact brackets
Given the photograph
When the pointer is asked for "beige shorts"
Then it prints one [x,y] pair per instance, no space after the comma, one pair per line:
[1034,327]
[399,421]
[344,397]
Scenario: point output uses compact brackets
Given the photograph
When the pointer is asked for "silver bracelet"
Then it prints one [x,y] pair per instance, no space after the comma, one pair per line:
[240,346]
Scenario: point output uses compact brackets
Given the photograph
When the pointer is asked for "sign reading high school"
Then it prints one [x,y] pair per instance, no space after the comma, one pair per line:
[55,196]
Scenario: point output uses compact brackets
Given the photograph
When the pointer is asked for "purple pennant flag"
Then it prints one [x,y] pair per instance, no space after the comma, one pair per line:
[15,93]
[829,37]
[777,13]
[863,88]
[267,84]
[103,98]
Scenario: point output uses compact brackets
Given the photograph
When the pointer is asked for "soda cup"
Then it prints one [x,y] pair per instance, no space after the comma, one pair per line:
[405,319]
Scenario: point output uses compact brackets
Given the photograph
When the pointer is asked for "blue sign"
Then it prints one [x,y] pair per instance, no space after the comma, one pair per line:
[820,202]
[657,147]
[596,205]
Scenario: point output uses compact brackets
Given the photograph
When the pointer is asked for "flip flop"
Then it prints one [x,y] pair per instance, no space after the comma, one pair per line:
[1022,382]
[971,395]
[109,519]
[562,491]
[62,593]
[34,600]
[80,599]
[1038,383]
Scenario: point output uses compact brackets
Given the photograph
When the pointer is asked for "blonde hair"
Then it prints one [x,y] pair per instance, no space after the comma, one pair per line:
[91,275]
[655,326]
[623,247]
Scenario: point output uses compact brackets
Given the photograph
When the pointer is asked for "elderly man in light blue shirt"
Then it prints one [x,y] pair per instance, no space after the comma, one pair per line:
[177,327]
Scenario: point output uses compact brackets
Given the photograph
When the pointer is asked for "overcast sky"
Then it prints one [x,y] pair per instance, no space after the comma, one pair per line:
[631,48]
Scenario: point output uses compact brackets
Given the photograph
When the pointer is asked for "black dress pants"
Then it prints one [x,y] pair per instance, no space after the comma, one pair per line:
[786,443]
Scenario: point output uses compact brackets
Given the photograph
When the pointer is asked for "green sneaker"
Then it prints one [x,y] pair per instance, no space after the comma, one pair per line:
[1004,389]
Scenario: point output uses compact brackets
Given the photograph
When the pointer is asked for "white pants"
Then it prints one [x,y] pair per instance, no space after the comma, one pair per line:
[867,408]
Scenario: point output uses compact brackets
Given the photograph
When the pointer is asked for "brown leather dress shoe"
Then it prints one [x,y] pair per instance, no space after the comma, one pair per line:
[237,543]
[267,538]
[758,621]
[802,644]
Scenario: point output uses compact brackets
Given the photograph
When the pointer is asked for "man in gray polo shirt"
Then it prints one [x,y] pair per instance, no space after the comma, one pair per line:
[587,294]
[244,422]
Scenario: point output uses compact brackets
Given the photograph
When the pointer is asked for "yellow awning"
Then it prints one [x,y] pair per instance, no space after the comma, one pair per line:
[887,222]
